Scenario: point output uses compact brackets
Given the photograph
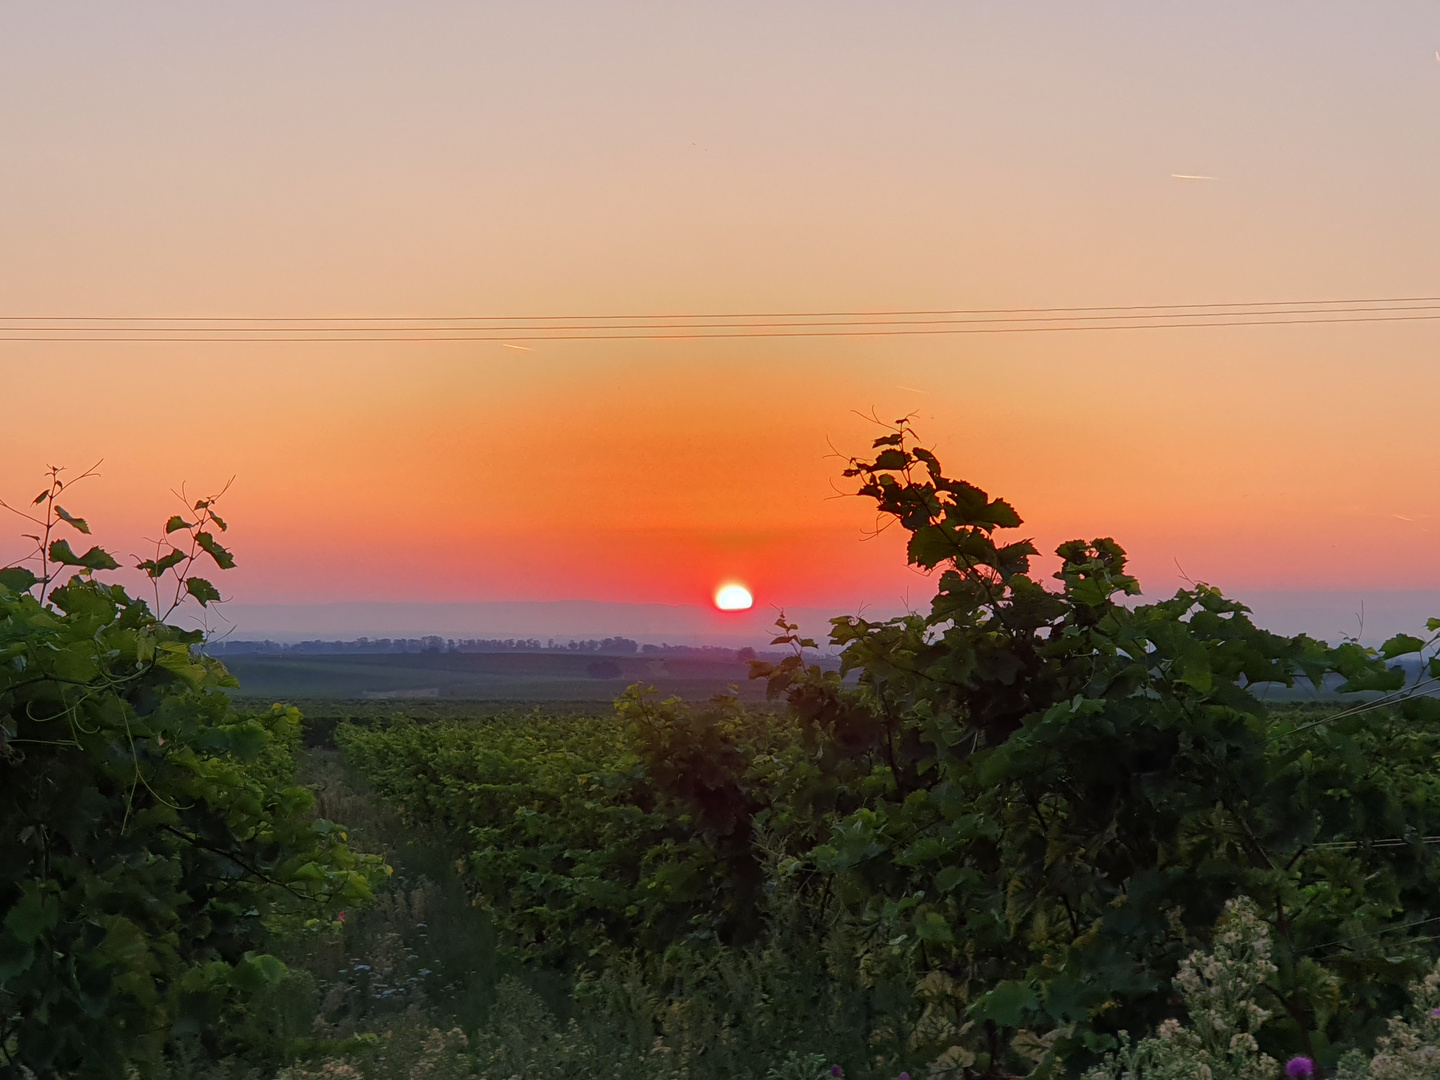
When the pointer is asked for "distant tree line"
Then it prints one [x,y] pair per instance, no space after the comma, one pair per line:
[610,646]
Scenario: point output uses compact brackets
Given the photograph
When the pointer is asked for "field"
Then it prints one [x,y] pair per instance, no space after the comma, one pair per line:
[489,677]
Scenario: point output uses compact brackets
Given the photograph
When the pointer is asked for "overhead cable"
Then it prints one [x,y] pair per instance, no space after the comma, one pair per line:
[833,324]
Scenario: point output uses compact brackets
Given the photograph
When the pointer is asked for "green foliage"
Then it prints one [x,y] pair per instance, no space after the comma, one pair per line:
[1222,992]
[1035,800]
[1410,1047]
[419,960]
[547,852]
[595,833]
[149,836]
[1219,991]
[1066,789]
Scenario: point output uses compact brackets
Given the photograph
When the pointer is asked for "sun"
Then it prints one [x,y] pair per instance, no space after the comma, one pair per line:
[732,597]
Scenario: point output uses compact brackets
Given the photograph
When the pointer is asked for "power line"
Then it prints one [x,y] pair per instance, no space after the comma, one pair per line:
[451,325]
[879,331]
[185,328]
[724,315]
[1384,701]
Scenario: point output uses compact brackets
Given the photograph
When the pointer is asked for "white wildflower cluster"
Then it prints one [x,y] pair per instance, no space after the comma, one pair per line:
[410,1051]
[1411,1049]
[1219,988]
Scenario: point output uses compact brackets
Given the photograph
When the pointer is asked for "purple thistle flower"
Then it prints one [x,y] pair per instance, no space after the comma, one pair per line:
[903,1076]
[1298,1067]
[1435,1013]
[836,1070]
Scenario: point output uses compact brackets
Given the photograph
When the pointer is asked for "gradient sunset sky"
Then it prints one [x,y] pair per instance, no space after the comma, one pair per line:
[434,159]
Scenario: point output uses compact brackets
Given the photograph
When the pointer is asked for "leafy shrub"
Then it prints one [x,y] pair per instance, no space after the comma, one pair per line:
[543,802]
[149,836]
[1065,789]
[590,833]
[1028,805]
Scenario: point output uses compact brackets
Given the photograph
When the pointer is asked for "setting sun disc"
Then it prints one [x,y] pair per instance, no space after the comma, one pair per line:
[733,598]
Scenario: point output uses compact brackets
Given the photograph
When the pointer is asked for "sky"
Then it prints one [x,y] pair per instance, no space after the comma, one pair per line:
[432,159]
